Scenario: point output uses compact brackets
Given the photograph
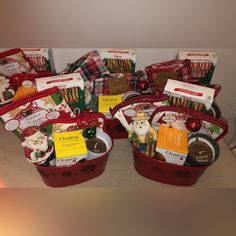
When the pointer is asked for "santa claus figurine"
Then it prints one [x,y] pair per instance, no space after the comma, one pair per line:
[142,135]
[38,145]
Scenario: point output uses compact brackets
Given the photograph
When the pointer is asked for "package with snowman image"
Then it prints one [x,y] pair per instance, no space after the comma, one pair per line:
[34,110]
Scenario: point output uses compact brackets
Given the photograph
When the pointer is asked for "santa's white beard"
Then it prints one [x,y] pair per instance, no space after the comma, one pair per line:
[142,129]
[42,147]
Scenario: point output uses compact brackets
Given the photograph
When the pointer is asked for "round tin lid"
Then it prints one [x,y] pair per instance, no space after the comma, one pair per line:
[203,150]
[96,145]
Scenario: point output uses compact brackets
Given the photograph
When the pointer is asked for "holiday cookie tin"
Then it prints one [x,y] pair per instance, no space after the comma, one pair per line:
[203,150]
[98,145]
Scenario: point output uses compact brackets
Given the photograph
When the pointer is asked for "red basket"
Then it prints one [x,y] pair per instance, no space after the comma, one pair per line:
[166,172]
[115,129]
[62,176]
[69,175]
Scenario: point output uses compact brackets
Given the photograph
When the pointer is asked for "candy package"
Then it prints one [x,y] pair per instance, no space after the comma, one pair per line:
[71,87]
[119,60]
[14,61]
[40,58]
[203,64]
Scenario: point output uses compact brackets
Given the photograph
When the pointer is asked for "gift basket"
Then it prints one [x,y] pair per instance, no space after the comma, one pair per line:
[65,142]
[67,121]
[77,155]
[177,140]
[64,171]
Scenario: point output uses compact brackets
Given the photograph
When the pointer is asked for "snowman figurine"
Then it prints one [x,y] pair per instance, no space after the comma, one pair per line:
[142,135]
[6,92]
[38,145]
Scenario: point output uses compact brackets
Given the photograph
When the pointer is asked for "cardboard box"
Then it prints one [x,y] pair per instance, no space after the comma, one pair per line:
[172,145]
[70,147]
[191,92]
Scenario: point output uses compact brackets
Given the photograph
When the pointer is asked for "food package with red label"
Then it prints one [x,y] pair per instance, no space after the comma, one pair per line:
[14,61]
[34,110]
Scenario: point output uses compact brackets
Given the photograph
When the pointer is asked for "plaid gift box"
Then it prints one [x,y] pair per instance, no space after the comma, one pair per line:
[158,74]
[88,65]
[100,82]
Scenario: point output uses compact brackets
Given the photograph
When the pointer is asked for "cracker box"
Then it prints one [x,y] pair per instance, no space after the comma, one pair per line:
[70,147]
[191,92]
[172,145]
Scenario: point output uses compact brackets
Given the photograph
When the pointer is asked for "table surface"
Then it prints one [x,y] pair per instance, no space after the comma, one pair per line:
[17,172]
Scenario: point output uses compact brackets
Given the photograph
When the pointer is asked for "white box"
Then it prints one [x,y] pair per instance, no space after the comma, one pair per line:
[191,92]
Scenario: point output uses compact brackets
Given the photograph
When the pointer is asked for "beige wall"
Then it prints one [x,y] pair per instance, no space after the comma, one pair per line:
[157,28]
[118,23]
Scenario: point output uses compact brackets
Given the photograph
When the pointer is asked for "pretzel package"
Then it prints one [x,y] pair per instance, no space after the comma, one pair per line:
[34,110]
[177,117]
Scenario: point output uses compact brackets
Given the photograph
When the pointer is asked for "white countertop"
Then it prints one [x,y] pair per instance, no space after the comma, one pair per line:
[17,172]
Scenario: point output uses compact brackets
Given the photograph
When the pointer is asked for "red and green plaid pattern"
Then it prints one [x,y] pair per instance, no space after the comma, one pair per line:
[89,65]
[100,83]
[182,69]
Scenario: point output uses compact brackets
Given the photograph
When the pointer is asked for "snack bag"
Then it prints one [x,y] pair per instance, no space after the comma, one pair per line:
[34,110]
[14,61]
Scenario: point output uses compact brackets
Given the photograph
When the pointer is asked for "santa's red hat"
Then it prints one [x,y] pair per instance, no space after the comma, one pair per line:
[30,131]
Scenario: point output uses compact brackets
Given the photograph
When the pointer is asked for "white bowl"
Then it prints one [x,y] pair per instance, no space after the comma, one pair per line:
[106,139]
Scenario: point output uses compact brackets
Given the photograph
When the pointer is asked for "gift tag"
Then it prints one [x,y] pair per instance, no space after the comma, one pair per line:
[162,77]
[118,85]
